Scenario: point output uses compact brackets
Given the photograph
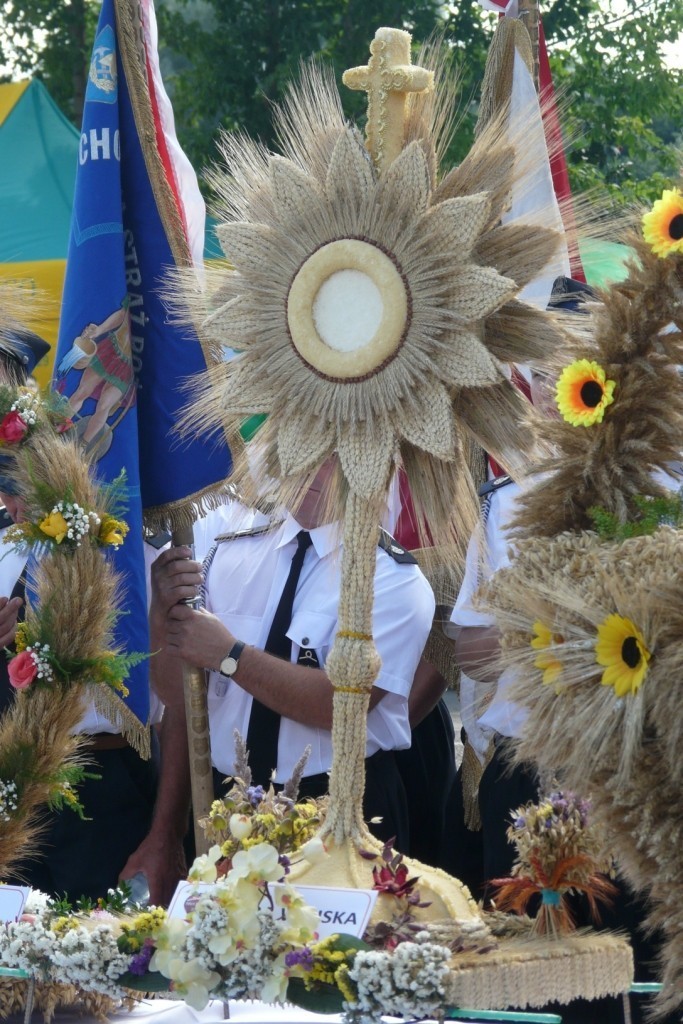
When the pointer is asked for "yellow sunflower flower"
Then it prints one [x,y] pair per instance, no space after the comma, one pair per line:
[621,649]
[545,660]
[663,224]
[583,393]
[55,526]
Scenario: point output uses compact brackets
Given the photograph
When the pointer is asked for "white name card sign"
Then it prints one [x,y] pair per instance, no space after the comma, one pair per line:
[340,910]
[12,901]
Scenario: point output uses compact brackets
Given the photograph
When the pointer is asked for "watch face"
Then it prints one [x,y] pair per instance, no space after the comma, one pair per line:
[228,666]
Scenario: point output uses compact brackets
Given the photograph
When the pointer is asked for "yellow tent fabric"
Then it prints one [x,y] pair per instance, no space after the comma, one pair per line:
[9,95]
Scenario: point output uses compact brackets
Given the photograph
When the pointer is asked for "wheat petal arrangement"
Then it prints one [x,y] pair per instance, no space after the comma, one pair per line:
[590,608]
[426,277]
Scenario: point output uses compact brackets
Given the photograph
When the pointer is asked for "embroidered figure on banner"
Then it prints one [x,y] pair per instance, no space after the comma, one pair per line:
[103,352]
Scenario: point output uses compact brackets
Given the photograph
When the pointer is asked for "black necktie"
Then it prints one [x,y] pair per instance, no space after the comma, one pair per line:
[264,724]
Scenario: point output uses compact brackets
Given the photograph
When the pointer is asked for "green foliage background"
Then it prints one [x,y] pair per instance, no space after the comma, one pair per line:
[225,61]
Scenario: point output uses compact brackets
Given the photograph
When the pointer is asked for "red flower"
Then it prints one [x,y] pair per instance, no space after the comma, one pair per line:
[22,670]
[393,881]
[64,426]
[12,428]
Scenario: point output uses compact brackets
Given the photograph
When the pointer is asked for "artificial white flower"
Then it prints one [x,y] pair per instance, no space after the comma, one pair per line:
[275,988]
[169,941]
[240,826]
[314,850]
[204,867]
[194,982]
[258,864]
[302,920]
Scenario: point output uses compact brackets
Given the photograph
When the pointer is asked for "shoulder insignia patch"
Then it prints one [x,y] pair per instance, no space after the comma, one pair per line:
[395,550]
[254,531]
[494,485]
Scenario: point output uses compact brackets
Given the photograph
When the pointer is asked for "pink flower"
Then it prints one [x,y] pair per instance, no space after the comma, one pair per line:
[12,428]
[64,426]
[22,670]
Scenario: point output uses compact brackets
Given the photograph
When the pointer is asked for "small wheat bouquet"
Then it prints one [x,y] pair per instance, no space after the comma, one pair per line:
[559,853]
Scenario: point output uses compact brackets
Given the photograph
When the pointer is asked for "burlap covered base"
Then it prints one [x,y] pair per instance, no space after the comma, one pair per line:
[524,972]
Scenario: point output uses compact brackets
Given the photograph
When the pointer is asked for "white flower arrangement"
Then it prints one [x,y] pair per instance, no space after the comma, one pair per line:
[235,939]
[79,520]
[87,958]
[409,982]
[241,938]
[39,654]
[28,405]
[8,799]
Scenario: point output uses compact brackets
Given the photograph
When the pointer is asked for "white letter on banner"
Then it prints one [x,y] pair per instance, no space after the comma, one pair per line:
[99,144]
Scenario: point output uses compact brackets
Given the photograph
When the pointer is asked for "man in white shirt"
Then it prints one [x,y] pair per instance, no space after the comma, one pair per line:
[244,584]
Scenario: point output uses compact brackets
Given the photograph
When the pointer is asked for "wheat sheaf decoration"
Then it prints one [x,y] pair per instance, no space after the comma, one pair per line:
[590,607]
[65,653]
[371,296]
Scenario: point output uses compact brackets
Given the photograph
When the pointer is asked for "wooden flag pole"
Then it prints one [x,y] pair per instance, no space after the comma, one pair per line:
[530,15]
[198,739]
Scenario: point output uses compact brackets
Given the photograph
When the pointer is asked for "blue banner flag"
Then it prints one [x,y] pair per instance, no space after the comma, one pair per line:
[137,212]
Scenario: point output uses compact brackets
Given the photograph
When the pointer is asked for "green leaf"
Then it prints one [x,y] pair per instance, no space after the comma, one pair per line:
[152,981]
[321,998]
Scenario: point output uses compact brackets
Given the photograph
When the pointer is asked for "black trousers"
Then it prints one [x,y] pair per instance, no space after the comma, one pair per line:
[84,857]
[428,772]
[385,796]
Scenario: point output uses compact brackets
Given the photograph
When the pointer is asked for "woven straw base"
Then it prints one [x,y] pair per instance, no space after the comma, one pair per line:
[532,972]
[52,997]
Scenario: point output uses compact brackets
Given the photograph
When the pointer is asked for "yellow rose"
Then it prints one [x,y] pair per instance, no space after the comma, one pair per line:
[112,532]
[54,525]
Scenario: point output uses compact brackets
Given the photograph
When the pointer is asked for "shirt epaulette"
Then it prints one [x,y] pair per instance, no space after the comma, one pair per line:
[395,550]
[5,518]
[494,485]
[254,531]
[159,540]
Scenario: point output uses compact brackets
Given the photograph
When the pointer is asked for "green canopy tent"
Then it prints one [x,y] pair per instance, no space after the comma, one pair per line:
[38,154]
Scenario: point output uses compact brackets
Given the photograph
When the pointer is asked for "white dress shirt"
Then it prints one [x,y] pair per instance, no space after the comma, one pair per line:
[488,551]
[244,584]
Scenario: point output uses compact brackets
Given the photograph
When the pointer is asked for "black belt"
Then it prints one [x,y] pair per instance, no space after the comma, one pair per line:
[107,741]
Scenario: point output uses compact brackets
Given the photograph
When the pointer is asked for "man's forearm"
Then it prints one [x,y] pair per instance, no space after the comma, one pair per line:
[298,692]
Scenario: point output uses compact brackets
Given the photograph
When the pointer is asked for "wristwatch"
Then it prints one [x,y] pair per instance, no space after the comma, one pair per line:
[229,664]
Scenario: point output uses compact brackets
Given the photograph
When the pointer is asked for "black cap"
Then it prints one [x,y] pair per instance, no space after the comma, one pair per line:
[24,347]
[570,294]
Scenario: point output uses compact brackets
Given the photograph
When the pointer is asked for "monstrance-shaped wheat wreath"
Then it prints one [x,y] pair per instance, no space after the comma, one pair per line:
[373,306]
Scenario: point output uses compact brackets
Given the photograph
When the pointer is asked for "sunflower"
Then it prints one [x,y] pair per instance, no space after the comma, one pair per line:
[543,639]
[583,393]
[663,224]
[374,312]
[621,649]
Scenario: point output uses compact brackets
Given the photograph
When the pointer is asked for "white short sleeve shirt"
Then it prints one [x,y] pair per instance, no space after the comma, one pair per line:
[243,588]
